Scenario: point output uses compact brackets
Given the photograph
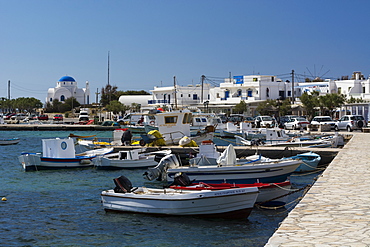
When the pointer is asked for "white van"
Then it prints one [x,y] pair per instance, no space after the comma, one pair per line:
[84,116]
[137,119]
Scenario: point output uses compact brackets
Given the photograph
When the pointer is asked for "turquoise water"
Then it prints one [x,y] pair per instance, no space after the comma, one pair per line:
[63,208]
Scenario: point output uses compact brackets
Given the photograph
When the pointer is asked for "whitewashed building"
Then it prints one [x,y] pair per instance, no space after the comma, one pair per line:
[181,96]
[67,87]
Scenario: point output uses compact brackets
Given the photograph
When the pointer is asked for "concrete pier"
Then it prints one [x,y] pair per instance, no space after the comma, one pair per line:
[56,127]
[336,210]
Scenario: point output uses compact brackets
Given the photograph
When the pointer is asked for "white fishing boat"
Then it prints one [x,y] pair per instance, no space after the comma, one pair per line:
[269,193]
[127,159]
[9,141]
[172,127]
[228,203]
[59,154]
[226,170]
[310,161]
[278,138]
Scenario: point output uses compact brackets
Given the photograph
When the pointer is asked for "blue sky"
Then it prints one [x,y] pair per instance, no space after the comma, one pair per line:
[150,42]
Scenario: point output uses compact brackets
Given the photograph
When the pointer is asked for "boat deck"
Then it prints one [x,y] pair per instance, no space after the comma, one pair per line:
[336,210]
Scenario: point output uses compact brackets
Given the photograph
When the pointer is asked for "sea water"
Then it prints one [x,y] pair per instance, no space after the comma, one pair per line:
[63,208]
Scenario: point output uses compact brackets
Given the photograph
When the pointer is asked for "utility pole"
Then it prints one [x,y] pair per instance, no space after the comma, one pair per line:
[98,104]
[174,87]
[110,91]
[97,95]
[8,89]
[292,87]
[108,67]
[201,96]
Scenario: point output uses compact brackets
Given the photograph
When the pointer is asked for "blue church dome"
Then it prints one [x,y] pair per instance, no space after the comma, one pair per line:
[67,78]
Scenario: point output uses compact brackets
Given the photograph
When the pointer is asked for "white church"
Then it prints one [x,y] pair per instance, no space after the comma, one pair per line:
[67,87]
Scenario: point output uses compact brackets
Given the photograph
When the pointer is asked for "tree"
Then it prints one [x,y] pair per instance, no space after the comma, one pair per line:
[116,107]
[108,94]
[5,104]
[275,107]
[354,100]
[132,92]
[267,108]
[240,108]
[71,103]
[329,102]
[310,101]
[285,107]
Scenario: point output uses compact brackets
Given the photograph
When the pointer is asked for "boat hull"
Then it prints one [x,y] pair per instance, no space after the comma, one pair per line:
[226,203]
[11,141]
[310,162]
[33,162]
[269,193]
[272,172]
[104,163]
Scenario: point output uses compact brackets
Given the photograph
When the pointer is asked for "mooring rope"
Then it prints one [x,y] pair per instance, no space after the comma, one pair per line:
[260,204]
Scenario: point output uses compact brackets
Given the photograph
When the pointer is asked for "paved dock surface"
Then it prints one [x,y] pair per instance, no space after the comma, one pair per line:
[336,210]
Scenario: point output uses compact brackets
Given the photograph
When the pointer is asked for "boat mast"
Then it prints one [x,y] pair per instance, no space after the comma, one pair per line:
[110,91]
[174,87]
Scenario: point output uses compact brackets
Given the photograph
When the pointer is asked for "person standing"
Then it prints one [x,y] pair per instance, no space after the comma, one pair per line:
[126,138]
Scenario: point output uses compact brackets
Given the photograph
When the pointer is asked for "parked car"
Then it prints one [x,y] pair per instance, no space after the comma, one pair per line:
[236,118]
[321,120]
[84,116]
[8,116]
[19,116]
[264,121]
[296,123]
[43,117]
[350,123]
[284,119]
[58,117]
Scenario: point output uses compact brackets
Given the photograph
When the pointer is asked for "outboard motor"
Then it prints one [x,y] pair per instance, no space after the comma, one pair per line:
[123,185]
[159,172]
[181,179]
[257,142]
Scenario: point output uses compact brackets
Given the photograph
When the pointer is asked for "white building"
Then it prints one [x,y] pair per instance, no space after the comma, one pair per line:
[252,89]
[249,88]
[67,87]
[181,96]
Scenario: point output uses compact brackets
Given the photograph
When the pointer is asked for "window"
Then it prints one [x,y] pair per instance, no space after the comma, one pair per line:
[239,93]
[227,94]
[267,92]
[363,89]
[51,99]
[255,79]
[272,78]
[187,118]
[62,98]
[181,95]
[289,93]
[249,93]
[170,119]
[195,96]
